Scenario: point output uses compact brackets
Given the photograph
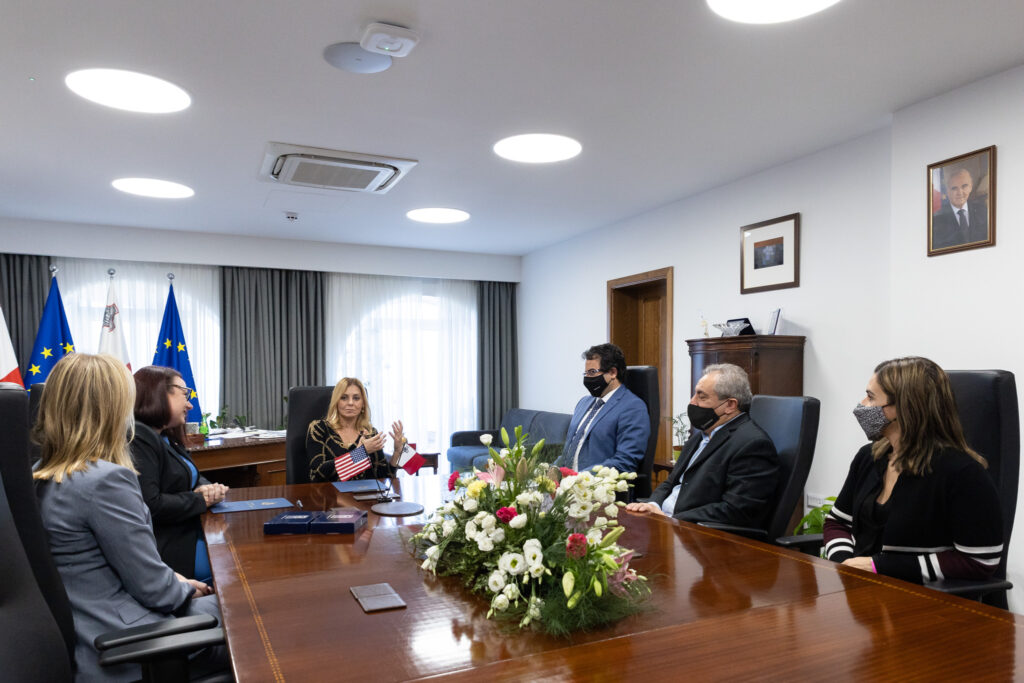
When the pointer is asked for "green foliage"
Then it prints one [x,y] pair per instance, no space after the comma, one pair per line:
[681,427]
[814,521]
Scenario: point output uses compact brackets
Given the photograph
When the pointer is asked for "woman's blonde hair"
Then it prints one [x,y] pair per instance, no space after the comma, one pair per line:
[363,421]
[925,410]
[85,415]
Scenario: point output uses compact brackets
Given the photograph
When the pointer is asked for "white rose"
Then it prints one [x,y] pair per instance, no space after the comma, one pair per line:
[503,452]
[503,561]
[432,551]
[567,483]
[447,527]
[486,439]
[621,485]
[600,521]
[515,564]
[484,544]
[496,581]
[470,504]
[524,499]
[612,510]
[594,536]
[432,537]
[470,530]
[497,535]
[586,478]
[500,602]
[488,522]
[517,522]
[533,556]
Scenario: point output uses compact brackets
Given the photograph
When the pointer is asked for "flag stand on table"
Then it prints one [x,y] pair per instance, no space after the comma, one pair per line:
[53,340]
[171,351]
[112,340]
[410,461]
[9,372]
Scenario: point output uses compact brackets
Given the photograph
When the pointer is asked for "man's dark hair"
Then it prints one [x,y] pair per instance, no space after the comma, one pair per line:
[611,356]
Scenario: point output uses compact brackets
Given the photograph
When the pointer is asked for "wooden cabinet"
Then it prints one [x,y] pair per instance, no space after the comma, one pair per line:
[775,363]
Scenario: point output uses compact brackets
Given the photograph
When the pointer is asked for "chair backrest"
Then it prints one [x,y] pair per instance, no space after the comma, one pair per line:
[305,404]
[34,396]
[642,380]
[792,424]
[986,401]
[32,646]
[19,491]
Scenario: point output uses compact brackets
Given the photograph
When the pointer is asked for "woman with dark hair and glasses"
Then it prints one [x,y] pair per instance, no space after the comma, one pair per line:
[176,493]
[917,504]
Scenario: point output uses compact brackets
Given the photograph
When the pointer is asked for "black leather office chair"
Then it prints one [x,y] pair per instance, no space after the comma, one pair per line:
[162,648]
[305,404]
[986,401]
[642,380]
[792,424]
[35,394]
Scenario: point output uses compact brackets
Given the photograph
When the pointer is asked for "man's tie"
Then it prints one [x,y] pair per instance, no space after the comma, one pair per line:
[574,443]
[961,217]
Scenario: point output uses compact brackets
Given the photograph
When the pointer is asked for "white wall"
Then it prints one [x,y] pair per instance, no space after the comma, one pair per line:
[868,291]
[19,236]
[842,195]
[962,310]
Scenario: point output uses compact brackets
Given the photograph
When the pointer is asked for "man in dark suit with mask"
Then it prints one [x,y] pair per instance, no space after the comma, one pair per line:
[728,469]
[609,427]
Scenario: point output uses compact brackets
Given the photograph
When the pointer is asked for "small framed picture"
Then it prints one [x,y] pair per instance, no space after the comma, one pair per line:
[962,202]
[770,254]
[773,321]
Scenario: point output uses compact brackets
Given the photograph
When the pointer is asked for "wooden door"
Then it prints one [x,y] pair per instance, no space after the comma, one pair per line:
[640,323]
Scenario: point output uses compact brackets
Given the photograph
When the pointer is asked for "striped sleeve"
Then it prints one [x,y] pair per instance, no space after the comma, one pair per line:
[838,535]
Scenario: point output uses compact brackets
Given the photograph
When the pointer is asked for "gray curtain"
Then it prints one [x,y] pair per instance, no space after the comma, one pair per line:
[272,338]
[498,370]
[24,281]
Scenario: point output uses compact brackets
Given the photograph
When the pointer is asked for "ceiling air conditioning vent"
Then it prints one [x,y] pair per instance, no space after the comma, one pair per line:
[332,170]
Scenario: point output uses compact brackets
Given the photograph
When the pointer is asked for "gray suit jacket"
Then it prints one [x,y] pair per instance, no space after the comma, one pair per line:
[102,541]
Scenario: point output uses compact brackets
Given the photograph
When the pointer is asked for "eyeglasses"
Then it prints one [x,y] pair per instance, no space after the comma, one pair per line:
[185,390]
[593,372]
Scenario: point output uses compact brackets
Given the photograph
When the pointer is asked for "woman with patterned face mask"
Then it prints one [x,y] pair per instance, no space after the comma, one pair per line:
[917,503]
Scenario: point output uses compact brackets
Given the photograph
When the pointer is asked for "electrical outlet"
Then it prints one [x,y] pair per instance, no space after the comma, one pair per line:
[813,500]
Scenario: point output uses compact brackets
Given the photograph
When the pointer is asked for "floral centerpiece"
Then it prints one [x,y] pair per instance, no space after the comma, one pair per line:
[538,541]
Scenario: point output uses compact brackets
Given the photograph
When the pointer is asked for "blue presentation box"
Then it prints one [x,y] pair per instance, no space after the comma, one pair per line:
[294,522]
[339,521]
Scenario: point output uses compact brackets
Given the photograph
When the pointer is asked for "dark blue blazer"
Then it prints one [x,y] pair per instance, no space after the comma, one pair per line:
[617,436]
[946,229]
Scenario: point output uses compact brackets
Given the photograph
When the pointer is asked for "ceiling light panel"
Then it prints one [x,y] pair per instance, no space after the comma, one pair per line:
[537,148]
[767,11]
[128,90]
[153,187]
[437,215]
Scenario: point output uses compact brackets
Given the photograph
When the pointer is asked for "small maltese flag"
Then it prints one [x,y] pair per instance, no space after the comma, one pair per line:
[408,459]
[9,372]
[112,340]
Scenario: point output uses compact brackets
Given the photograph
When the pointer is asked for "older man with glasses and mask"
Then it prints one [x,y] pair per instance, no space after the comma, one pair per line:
[609,427]
[728,469]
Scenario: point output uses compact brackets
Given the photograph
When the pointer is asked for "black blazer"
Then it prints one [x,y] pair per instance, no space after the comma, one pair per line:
[175,507]
[732,481]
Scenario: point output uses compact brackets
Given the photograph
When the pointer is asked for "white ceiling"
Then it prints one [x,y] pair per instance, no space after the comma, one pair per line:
[667,99]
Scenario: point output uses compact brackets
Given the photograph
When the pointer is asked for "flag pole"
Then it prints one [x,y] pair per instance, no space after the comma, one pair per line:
[110,272]
[53,270]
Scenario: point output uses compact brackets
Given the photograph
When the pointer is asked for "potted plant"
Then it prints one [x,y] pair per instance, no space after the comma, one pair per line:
[680,431]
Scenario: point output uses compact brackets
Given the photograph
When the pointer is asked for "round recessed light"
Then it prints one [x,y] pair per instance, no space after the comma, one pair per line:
[128,90]
[537,148]
[767,11]
[437,215]
[352,57]
[151,187]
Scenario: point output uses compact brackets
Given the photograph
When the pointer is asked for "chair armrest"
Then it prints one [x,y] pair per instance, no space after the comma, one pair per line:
[969,588]
[745,531]
[162,647]
[158,629]
[805,543]
[472,437]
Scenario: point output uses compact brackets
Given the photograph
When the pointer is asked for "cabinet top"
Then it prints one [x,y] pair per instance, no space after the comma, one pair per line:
[750,340]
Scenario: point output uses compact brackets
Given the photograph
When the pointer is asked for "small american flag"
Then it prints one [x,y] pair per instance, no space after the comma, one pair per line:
[352,463]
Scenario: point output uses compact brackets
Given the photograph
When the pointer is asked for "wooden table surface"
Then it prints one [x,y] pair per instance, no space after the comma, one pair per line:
[724,608]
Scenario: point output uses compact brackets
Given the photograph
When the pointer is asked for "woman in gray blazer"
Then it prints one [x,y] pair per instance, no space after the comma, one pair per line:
[98,525]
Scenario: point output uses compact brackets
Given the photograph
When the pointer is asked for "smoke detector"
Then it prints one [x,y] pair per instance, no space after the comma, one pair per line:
[388,39]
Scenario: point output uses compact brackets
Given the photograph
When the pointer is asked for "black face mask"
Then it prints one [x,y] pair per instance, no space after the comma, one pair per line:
[595,385]
[700,417]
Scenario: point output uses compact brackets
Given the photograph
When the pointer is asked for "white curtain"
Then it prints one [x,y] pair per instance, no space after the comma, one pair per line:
[142,295]
[413,342]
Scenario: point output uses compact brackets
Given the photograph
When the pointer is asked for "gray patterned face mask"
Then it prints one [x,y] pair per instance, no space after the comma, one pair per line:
[872,420]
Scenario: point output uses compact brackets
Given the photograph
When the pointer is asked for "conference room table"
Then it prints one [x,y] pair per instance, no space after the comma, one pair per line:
[722,608]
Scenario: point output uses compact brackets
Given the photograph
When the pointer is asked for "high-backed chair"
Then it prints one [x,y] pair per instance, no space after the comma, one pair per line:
[35,394]
[642,380]
[305,404]
[792,425]
[27,567]
[986,401]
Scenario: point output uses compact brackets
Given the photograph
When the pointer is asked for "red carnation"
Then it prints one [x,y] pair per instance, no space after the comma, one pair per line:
[506,514]
[576,545]
[566,472]
[451,481]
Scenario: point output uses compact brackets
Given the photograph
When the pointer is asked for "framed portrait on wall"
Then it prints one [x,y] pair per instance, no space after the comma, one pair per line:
[770,254]
[962,202]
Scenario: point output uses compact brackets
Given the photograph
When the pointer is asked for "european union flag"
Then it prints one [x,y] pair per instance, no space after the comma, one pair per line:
[53,340]
[171,352]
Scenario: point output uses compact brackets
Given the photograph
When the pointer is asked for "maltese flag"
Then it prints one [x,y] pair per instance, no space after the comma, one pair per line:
[112,340]
[9,372]
[408,459]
